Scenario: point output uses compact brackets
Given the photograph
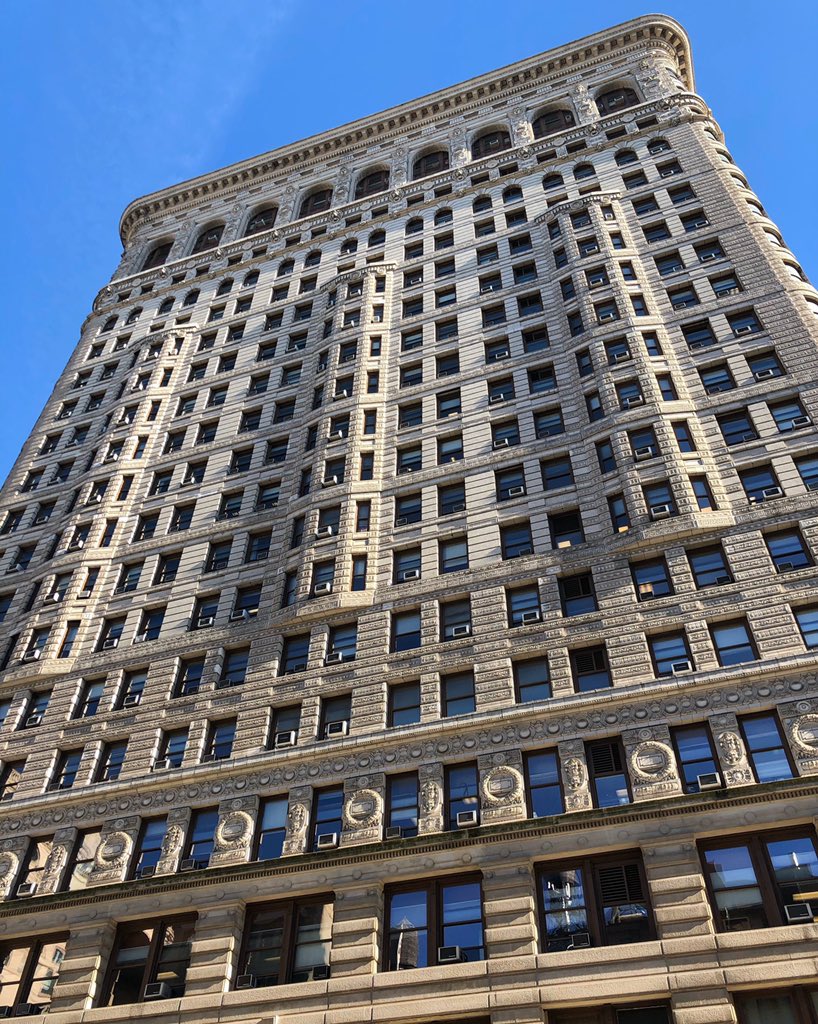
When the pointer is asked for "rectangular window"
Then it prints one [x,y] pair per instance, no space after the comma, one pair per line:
[149,847]
[670,654]
[733,642]
[694,755]
[788,551]
[404,704]
[271,830]
[405,630]
[149,960]
[457,696]
[285,943]
[761,880]
[589,666]
[402,799]
[766,747]
[807,619]
[327,820]
[532,680]
[607,777]
[602,901]
[30,969]
[436,922]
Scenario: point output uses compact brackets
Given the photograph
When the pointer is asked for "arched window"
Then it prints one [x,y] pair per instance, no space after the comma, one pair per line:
[794,271]
[109,324]
[583,171]
[158,255]
[443,216]
[430,163]
[625,157]
[414,225]
[312,259]
[489,143]
[208,239]
[376,238]
[286,268]
[166,306]
[552,121]
[552,181]
[225,286]
[371,183]
[261,220]
[481,203]
[513,194]
[250,279]
[657,146]
[349,247]
[191,298]
[616,99]
[316,202]
[134,315]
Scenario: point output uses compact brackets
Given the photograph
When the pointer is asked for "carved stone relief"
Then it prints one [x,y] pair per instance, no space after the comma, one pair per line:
[574,776]
[730,748]
[502,788]
[9,863]
[298,816]
[651,763]
[363,809]
[233,837]
[431,798]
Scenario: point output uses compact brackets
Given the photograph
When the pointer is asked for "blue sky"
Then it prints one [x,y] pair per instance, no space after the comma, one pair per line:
[104,102]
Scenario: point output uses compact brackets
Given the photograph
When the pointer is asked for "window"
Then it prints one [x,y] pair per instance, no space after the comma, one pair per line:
[405,630]
[451,499]
[316,202]
[760,484]
[326,816]
[219,740]
[509,483]
[294,654]
[709,566]
[550,122]
[461,792]
[602,901]
[566,529]
[172,749]
[455,619]
[209,238]
[81,862]
[670,654]
[788,550]
[608,780]
[402,804]
[110,766]
[548,423]
[590,670]
[285,942]
[651,579]
[766,747]
[793,1006]
[149,847]
[10,778]
[789,415]
[751,880]
[532,680]
[557,473]
[404,704]
[807,619]
[453,555]
[694,754]
[149,953]
[439,921]
[90,698]
[765,365]
[660,501]
[577,595]
[733,642]
[516,540]
[189,677]
[701,491]
[457,695]
[66,769]
[30,969]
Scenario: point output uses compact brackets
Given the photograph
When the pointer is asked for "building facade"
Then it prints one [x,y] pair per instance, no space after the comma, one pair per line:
[408,591]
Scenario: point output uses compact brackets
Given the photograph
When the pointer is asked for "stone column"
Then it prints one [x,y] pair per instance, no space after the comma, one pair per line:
[174,841]
[51,878]
[355,928]
[732,754]
[233,841]
[298,820]
[430,780]
[502,787]
[510,911]
[119,837]
[216,938]
[574,775]
[651,763]
[364,799]
[678,897]
[87,952]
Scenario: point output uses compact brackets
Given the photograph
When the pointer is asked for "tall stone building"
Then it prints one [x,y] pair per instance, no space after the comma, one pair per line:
[408,593]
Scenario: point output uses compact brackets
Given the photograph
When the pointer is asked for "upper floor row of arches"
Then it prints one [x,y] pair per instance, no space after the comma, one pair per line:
[374,180]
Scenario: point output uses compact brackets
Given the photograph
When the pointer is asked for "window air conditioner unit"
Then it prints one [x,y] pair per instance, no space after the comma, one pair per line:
[285,739]
[580,940]
[744,329]
[334,658]
[645,452]
[450,955]
[562,544]
[502,354]
[621,357]
[336,435]
[336,729]
[225,682]
[660,511]
[462,630]
[56,597]
[189,864]
[785,567]
[26,889]
[75,545]
[246,981]
[33,720]
[17,567]
[515,492]
[157,990]
[707,257]
[606,316]
[327,841]
[751,435]
[679,667]
[467,819]
[240,615]
[709,780]
[684,303]
[162,766]
[393,832]
[83,595]
[494,399]
[771,492]
[459,507]
[204,621]
[341,394]
[694,345]
[764,374]
[328,481]
[148,871]
[32,655]
[94,499]
[320,972]
[800,421]
[401,521]
[646,590]
[798,913]
[501,442]
[631,403]
[534,615]
[140,638]
[324,531]
[110,643]
[322,588]
[522,552]
[409,574]
[130,700]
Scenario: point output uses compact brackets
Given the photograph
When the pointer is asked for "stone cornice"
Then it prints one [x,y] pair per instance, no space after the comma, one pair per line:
[652,31]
